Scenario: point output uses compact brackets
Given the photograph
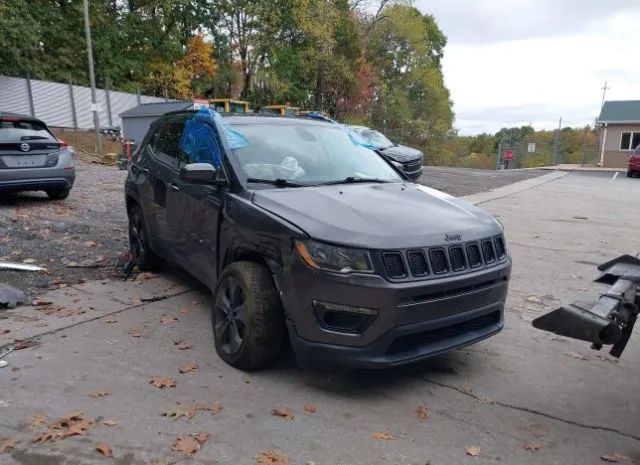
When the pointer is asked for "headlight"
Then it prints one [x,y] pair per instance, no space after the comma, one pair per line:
[333,258]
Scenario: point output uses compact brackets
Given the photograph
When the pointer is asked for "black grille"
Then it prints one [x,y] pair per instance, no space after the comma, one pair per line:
[473,253]
[412,165]
[487,252]
[438,260]
[456,254]
[394,265]
[417,263]
[415,341]
[500,250]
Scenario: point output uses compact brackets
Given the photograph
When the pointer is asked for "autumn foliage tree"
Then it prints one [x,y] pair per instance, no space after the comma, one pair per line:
[198,64]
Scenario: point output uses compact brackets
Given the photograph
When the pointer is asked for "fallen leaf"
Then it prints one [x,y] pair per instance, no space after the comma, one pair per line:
[90,243]
[382,435]
[96,394]
[7,444]
[186,444]
[162,382]
[473,451]
[178,411]
[19,344]
[168,319]
[537,429]
[36,421]
[532,447]
[184,311]
[188,368]
[283,412]
[73,424]
[185,347]
[202,437]
[145,275]
[60,312]
[616,458]
[108,321]
[214,407]
[271,457]
[110,423]
[105,449]
[50,435]
[534,299]
[310,408]
[135,332]
[423,413]
[41,302]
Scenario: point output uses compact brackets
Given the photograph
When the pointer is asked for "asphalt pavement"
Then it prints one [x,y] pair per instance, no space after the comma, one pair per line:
[523,396]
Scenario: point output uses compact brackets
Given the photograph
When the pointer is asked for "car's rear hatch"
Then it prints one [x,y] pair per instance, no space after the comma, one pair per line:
[27,143]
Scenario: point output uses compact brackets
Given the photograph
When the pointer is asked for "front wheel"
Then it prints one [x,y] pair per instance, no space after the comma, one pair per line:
[248,322]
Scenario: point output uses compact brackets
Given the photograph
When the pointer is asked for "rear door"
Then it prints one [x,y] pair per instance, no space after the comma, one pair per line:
[26,143]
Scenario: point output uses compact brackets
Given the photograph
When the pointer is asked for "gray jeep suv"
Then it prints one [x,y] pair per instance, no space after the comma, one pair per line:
[299,231]
[32,158]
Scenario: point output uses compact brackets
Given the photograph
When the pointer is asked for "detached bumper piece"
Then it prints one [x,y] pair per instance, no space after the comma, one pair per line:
[610,321]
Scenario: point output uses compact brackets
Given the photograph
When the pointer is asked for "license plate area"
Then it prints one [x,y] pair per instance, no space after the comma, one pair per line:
[24,161]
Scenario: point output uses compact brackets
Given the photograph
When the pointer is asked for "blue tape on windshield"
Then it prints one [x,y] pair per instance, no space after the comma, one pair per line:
[198,139]
[356,138]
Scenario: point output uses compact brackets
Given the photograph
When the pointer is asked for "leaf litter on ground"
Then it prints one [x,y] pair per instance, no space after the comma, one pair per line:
[283,412]
[162,382]
[271,457]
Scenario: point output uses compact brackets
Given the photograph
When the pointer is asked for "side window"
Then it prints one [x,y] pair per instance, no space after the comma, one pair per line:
[166,140]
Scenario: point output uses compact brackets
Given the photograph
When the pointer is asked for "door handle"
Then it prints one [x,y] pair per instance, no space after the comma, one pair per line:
[174,187]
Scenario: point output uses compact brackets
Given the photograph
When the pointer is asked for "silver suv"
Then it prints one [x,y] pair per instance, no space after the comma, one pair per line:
[33,159]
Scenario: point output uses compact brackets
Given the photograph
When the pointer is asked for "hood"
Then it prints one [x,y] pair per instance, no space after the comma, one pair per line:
[402,153]
[378,216]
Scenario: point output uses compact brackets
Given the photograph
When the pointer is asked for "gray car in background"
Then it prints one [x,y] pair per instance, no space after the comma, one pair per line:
[33,159]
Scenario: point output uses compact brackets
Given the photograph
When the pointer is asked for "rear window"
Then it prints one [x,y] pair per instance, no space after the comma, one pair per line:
[23,130]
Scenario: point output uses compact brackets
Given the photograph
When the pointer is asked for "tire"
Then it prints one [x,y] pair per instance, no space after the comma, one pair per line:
[246,304]
[629,174]
[58,194]
[139,246]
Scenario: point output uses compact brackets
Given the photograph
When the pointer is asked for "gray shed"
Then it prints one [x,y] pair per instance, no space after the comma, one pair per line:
[136,120]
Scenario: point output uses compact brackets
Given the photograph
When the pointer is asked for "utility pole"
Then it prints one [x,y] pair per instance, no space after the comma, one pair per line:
[92,78]
[556,143]
[604,93]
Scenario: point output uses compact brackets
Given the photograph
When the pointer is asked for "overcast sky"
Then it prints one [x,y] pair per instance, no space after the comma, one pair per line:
[517,62]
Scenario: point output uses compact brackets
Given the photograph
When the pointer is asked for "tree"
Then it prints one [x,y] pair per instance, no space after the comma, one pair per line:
[199,64]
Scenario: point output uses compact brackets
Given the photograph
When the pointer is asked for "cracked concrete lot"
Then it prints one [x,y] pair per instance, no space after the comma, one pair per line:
[523,396]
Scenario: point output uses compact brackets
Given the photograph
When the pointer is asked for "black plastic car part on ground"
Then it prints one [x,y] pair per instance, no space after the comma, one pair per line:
[301,232]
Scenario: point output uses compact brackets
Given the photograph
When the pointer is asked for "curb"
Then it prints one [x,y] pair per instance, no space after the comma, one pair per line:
[520,186]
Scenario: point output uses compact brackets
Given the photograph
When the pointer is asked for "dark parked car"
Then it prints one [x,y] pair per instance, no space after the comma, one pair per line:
[634,163]
[33,159]
[299,232]
[407,159]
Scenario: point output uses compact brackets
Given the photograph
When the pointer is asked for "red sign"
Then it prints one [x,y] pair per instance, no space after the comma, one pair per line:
[508,155]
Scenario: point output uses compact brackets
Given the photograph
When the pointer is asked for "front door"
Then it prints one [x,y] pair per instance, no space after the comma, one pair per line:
[194,213]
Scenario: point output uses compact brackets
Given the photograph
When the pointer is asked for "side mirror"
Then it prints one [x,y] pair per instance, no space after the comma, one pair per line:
[199,173]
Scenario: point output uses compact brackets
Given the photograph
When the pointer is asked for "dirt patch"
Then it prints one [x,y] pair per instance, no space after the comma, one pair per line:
[85,141]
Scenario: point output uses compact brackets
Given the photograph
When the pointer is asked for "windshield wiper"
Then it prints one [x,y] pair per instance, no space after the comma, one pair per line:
[277,182]
[354,180]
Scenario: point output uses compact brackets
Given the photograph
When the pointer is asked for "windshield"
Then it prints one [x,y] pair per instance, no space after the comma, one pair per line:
[307,154]
[376,138]
[23,130]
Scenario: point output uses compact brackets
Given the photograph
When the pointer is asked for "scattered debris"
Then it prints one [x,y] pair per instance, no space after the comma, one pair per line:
[188,368]
[283,412]
[179,411]
[96,394]
[20,266]
[422,413]
[577,355]
[473,451]
[271,457]
[309,408]
[60,312]
[168,319]
[382,436]
[74,424]
[105,449]
[162,382]
[135,332]
[214,407]
[110,423]
[535,300]
[10,296]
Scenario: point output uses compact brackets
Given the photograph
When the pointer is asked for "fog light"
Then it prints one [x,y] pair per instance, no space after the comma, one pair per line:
[344,308]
